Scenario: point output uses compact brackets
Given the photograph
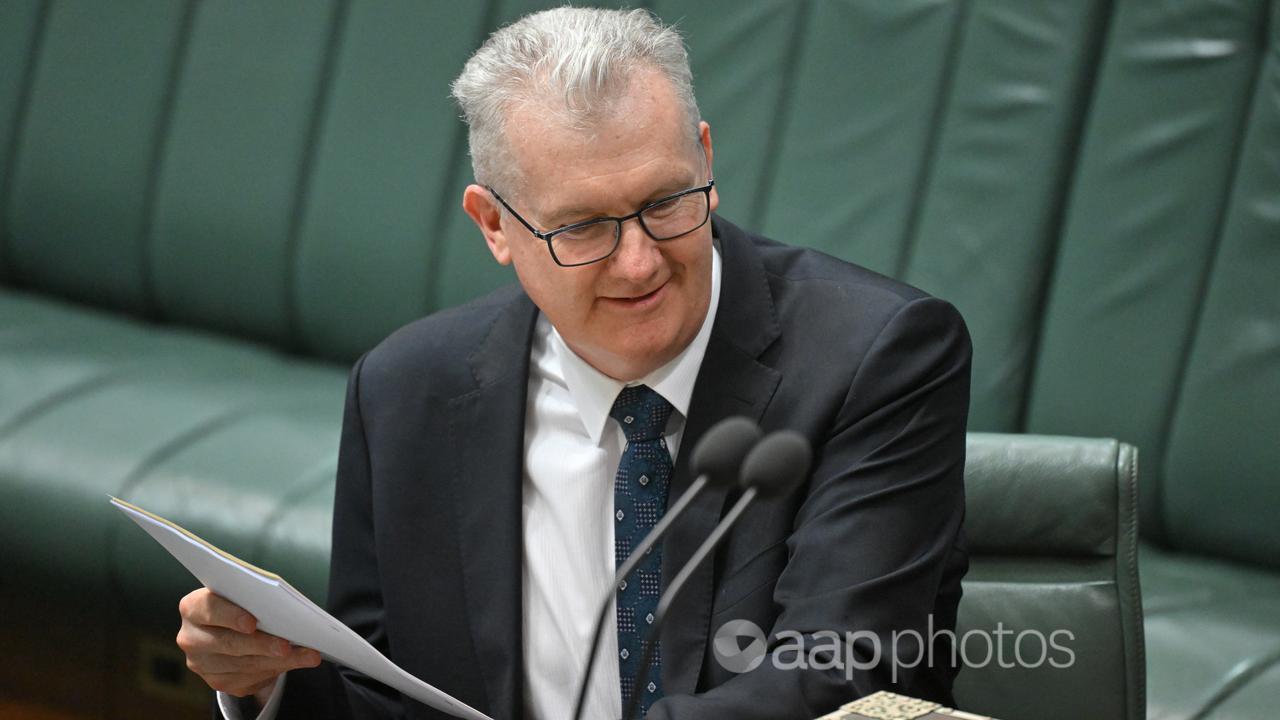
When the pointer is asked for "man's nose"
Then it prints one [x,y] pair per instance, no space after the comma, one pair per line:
[638,255]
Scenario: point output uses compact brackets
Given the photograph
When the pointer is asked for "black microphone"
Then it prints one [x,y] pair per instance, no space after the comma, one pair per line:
[778,461]
[715,461]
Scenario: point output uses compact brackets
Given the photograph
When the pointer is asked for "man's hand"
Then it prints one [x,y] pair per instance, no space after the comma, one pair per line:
[225,648]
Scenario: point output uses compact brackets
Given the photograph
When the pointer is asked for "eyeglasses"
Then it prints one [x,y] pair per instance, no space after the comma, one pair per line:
[594,240]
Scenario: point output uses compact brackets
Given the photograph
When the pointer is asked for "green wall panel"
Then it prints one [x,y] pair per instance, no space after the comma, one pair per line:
[870,81]
[740,62]
[985,228]
[19,23]
[383,184]
[1143,213]
[1221,487]
[222,244]
[81,185]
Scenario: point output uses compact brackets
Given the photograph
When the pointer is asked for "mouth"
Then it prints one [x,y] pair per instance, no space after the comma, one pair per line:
[639,302]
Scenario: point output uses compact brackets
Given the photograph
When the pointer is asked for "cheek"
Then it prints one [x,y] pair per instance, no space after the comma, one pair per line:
[563,294]
[695,266]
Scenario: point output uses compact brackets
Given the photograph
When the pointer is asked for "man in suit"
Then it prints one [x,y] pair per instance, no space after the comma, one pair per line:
[493,468]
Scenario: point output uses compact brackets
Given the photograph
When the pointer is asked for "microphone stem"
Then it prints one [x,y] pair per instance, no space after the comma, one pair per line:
[664,603]
[625,570]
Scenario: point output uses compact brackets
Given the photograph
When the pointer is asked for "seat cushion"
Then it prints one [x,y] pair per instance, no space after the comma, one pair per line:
[226,438]
[1258,698]
[1213,637]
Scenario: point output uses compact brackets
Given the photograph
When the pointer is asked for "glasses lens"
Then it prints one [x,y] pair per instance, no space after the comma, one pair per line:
[585,243]
[676,216]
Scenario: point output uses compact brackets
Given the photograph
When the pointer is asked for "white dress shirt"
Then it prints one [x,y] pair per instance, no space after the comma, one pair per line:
[572,451]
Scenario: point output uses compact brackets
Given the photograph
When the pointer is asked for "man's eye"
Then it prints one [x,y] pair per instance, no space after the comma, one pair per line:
[663,209]
[590,231]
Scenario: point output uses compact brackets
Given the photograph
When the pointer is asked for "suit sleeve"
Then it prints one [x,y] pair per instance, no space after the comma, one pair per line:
[876,554]
[355,596]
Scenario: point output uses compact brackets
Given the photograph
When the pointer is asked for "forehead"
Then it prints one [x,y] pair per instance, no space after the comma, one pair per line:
[642,142]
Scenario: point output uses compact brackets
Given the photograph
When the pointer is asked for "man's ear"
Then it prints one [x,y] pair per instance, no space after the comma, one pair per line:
[704,139]
[486,213]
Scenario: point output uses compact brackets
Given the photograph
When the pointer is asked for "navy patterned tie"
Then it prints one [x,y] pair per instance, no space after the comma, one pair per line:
[639,500]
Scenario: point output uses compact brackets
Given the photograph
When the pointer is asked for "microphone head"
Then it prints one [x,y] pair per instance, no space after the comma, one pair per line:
[778,461]
[718,455]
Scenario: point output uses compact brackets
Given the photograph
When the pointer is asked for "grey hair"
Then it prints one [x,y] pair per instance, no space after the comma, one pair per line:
[574,63]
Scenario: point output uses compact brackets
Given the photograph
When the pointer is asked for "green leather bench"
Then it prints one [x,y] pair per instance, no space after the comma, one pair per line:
[207,210]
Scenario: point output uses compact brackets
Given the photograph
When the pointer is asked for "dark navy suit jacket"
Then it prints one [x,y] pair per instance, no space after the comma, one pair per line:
[426,559]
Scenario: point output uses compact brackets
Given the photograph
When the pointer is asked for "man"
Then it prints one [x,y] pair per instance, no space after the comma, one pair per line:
[494,467]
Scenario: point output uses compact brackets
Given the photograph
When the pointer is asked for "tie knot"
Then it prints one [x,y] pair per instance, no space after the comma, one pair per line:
[642,412]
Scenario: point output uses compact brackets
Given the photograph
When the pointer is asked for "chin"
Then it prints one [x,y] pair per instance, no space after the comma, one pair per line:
[648,353]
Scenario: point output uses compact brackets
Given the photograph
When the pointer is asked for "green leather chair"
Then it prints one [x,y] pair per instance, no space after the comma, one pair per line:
[1050,625]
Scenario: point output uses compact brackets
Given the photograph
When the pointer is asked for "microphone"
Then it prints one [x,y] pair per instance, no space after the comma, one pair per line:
[779,460]
[715,461]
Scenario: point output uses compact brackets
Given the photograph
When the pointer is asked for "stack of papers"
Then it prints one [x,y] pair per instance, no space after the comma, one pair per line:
[284,612]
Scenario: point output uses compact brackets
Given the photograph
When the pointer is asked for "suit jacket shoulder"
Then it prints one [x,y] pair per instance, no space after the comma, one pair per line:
[804,279]
[458,349]
[827,313]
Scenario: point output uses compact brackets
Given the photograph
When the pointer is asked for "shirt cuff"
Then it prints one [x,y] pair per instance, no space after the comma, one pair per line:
[234,708]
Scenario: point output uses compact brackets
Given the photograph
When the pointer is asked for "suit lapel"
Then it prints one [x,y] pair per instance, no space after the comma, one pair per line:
[732,381]
[486,433]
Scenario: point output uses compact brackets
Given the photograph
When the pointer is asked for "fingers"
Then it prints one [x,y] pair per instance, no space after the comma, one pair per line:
[254,644]
[224,647]
[241,677]
[203,607]
[217,650]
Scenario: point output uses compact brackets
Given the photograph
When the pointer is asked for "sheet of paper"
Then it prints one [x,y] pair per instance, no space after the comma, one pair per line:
[283,611]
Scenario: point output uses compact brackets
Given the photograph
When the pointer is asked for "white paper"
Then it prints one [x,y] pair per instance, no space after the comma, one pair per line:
[283,611]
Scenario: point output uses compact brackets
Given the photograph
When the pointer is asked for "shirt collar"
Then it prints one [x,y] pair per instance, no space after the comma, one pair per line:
[593,392]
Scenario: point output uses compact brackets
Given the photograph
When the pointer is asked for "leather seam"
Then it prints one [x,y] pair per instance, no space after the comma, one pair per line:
[941,108]
[459,150]
[295,330]
[1237,680]
[1074,138]
[21,114]
[295,492]
[776,136]
[55,399]
[1232,181]
[1135,592]
[151,199]
[146,465]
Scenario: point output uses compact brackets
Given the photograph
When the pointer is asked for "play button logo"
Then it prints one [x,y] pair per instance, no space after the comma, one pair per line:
[739,646]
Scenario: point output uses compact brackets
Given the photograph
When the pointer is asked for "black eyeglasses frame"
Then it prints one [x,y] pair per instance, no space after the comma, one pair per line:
[617,233]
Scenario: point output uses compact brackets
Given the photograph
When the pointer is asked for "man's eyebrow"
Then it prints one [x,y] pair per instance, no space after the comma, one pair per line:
[572,215]
[569,216]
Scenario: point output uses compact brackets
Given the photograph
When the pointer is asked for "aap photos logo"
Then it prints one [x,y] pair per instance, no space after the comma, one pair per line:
[739,646]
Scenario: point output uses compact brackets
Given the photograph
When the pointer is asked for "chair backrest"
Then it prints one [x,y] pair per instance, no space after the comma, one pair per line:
[1050,625]
[277,171]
